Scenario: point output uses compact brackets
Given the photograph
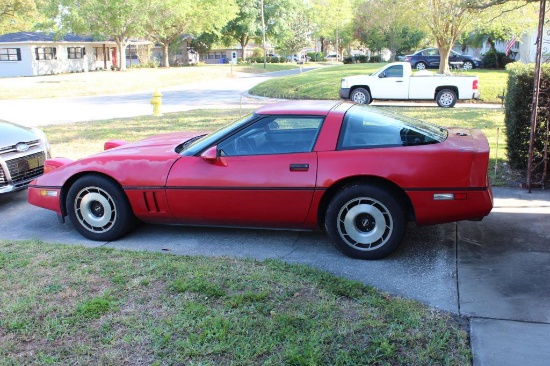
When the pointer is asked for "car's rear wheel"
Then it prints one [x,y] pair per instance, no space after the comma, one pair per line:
[365,221]
[361,96]
[99,209]
[467,65]
[446,98]
[420,66]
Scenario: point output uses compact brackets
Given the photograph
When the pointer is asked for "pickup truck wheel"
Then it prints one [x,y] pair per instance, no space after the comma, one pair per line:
[446,98]
[361,96]
[365,221]
[468,65]
[420,66]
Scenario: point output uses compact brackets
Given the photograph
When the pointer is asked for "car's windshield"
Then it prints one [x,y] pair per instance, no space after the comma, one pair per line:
[199,143]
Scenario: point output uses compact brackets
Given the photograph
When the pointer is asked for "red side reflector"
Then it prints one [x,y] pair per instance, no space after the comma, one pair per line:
[461,196]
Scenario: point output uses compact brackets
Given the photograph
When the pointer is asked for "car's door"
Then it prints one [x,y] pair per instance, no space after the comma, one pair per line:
[263,175]
[391,84]
[432,57]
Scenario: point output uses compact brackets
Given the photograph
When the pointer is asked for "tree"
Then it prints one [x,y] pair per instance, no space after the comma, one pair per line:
[448,19]
[245,26]
[298,31]
[119,19]
[504,22]
[382,24]
[331,19]
[17,15]
[170,19]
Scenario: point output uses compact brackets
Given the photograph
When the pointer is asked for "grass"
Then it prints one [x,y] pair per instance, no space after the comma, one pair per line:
[73,305]
[324,83]
[82,139]
[113,82]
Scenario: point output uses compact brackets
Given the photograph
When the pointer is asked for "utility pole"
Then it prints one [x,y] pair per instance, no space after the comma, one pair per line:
[263,33]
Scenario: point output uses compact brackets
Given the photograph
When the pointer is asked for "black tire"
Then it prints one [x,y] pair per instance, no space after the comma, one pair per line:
[446,98]
[99,208]
[468,65]
[361,96]
[365,221]
[421,66]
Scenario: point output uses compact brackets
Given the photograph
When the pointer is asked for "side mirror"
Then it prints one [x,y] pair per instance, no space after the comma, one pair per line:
[210,155]
[382,75]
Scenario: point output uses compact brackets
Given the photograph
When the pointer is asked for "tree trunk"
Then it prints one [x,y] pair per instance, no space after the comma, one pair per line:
[121,44]
[493,48]
[185,53]
[444,60]
[243,41]
[166,61]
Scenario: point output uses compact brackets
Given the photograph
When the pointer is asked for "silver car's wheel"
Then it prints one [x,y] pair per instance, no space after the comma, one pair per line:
[446,98]
[95,209]
[365,221]
[361,96]
[99,208]
[421,66]
[468,65]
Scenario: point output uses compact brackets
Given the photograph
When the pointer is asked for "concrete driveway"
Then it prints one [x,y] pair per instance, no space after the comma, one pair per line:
[493,272]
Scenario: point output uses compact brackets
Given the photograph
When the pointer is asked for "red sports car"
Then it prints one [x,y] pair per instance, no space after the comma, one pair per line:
[358,172]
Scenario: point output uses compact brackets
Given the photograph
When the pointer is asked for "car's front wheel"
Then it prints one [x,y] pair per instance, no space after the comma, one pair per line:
[421,66]
[361,96]
[468,65]
[99,209]
[365,221]
[446,98]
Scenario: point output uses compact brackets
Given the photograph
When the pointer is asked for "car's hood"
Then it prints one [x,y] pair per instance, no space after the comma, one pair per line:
[11,134]
[164,142]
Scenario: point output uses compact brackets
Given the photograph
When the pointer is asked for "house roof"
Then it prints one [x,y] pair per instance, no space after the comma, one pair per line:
[32,37]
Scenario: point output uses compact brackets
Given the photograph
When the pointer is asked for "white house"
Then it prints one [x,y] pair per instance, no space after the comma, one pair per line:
[35,53]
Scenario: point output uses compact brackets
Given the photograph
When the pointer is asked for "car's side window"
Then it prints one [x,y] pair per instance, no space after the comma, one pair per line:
[363,129]
[273,135]
[394,71]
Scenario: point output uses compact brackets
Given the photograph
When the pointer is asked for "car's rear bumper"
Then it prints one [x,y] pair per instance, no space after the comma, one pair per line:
[474,203]
[476,95]
[344,93]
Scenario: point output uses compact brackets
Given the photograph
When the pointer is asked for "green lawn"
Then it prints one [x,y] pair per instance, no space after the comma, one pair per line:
[65,304]
[324,83]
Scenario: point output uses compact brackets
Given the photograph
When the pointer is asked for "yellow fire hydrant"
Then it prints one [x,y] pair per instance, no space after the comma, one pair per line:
[156,101]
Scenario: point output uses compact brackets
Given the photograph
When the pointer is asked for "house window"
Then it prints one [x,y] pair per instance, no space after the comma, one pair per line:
[75,52]
[10,54]
[45,53]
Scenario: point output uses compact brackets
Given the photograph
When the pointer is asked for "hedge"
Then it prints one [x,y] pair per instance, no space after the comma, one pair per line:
[519,99]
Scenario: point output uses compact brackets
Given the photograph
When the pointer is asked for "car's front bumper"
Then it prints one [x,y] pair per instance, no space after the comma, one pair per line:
[344,93]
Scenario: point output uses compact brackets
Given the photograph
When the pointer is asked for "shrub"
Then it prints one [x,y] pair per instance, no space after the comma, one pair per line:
[489,60]
[518,115]
[362,59]
[316,56]
[349,60]
[375,59]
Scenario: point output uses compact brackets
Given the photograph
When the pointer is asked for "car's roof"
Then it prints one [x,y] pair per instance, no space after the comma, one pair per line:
[309,107]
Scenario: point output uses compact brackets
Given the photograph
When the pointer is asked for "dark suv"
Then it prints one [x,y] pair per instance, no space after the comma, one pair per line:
[429,58]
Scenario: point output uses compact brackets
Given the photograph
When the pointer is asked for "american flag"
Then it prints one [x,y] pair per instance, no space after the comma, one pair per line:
[510,44]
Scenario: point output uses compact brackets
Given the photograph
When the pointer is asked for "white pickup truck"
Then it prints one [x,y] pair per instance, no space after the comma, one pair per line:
[396,81]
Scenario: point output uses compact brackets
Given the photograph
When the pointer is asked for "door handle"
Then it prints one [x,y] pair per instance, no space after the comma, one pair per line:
[398,81]
[299,167]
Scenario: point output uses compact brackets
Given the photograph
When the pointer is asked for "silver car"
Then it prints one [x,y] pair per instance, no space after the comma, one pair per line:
[23,151]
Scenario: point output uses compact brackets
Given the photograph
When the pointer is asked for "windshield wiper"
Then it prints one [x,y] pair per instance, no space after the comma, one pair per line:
[186,144]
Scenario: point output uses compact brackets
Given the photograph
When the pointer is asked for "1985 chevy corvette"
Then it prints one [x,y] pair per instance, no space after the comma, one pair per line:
[358,172]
